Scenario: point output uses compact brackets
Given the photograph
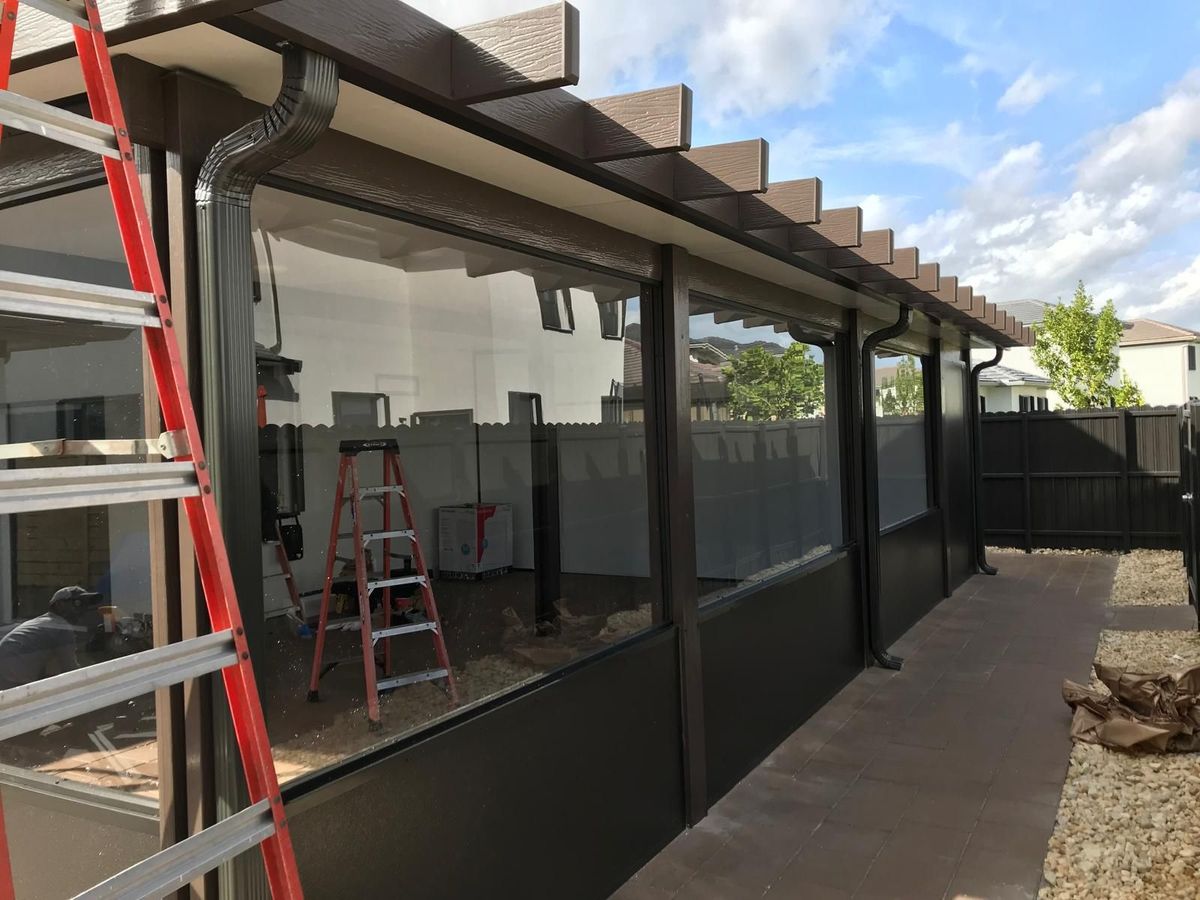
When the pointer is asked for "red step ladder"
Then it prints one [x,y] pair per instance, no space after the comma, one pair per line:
[183,474]
[349,489]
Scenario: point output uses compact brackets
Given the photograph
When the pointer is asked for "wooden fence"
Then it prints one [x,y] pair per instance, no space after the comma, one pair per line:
[1095,479]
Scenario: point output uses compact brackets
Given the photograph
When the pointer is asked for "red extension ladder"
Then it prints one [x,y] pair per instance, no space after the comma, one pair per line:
[367,583]
[183,474]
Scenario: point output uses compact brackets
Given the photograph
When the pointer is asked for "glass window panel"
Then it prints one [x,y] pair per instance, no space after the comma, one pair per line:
[77,381]
[516,403]
[901,431]
[766,461]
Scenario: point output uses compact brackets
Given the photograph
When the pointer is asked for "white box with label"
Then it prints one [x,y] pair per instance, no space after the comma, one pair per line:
[474,539]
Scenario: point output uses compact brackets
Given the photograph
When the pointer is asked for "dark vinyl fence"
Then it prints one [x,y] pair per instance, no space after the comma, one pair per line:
[1092,479]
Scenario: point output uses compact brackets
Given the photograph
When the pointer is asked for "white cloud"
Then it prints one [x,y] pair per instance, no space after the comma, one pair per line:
[953,147]
[741,57]
[1029,89]
[1012,237]
[1153,146]
[1178,296]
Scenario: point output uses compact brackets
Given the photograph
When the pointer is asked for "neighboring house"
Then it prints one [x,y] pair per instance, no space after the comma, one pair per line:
[1018,360]
[1005,389]
[1161,360]
[709,388]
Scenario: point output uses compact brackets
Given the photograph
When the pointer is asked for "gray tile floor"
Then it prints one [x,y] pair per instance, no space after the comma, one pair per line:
[941,780]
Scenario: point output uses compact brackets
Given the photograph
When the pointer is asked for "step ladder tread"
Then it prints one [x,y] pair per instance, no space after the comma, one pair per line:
[181,863]
[56,298]
[70,11]
[370,490]
[395,582]
[411,678]
[381,535]
[66,487]
[64,126]
[29,707]
[403,628]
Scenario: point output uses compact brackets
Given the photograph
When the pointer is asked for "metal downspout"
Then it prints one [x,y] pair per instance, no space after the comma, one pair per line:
[226,182]
[299,116]
[870,455]
[981,563]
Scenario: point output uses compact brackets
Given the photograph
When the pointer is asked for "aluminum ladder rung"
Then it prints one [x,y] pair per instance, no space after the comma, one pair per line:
[171,869]
[393,582]
[70,11]
[169,445]
[407,628]
[66,487]
[57,124]
[380,489]
[412,678]
[54,298]
[369,536]
[33,706]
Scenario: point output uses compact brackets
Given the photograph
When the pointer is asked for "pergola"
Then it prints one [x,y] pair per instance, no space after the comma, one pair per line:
[511,70]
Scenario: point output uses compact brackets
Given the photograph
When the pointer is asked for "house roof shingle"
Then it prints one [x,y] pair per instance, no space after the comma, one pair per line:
[1148,331]
[1003,375]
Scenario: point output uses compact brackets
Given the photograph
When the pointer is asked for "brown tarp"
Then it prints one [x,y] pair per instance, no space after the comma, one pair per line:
[1158,713]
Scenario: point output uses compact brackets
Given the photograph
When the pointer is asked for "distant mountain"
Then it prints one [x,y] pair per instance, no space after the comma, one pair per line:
[733,348]
[633,332]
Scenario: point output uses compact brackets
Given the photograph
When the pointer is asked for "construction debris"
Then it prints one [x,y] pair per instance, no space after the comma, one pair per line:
[1159,712]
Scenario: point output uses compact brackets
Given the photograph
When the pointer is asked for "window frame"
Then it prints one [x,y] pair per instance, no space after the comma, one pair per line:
[649,291]
[832,344]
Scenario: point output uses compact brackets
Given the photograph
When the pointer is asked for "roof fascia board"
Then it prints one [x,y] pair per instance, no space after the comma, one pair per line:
[42,39]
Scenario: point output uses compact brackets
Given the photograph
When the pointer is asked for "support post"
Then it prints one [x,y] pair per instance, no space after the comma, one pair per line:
[935,425]
[981,563]
[870,484]
[1128,450]
[666,349]
[1026,483]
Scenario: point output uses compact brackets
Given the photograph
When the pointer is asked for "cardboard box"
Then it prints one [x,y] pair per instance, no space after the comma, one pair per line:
[474,539]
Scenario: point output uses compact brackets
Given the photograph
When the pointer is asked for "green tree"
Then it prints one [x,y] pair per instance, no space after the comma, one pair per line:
[904,393]
[1077,349]
[766,386]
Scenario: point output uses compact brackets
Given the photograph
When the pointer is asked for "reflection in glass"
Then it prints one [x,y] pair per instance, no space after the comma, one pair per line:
[765,449]
[76,381]
[513,388]
[900,426]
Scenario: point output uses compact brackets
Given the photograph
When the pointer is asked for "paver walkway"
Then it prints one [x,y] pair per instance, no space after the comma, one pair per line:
[941,780]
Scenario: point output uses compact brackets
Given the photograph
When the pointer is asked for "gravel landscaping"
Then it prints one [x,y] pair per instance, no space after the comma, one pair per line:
[1127,823]
[1150,578]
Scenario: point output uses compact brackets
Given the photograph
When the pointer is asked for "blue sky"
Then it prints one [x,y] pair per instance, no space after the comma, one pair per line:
[1024,145]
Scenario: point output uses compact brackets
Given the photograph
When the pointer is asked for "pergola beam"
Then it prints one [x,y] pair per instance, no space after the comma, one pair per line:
[701,173]
[876,249]
[905,265]
[835,228]
[782,204]
[654,121]
[528,51]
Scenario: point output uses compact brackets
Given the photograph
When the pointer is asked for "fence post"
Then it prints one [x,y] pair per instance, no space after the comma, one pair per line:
[1127,495]
[1026,483]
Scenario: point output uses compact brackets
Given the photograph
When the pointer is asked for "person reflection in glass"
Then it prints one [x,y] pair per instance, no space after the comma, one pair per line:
[46,645]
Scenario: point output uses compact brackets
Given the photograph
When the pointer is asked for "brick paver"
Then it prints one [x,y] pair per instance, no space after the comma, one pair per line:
[941,780]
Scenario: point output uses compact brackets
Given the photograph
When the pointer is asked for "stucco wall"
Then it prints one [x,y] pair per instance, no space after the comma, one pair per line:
[1160,370]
